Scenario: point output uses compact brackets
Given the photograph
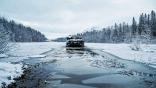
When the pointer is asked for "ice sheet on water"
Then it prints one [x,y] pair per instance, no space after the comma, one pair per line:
[73,86]
[13,59]
[57,84]
[110,79]
[153,65]
[37,56]
[57,76]
[53,83]
[79,66]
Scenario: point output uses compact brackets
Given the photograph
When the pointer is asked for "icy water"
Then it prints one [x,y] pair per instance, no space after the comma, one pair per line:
[88,68]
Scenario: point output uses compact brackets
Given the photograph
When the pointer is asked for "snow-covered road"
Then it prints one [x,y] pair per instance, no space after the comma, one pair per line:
[50,65]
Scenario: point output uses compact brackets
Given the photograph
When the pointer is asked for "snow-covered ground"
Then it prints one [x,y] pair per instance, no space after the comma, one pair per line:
[9,71]
[17,53]
[35,48]
[147,54]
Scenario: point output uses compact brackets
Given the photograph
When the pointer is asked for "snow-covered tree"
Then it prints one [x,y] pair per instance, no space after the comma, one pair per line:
[20,33]
[4,39]
[135,33]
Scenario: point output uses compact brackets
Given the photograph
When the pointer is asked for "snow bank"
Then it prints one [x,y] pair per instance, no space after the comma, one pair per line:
[34,48]
[9,71]
[3,55]
[147,54]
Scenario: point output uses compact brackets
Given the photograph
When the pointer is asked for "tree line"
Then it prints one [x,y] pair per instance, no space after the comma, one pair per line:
[14,32]
[144,30]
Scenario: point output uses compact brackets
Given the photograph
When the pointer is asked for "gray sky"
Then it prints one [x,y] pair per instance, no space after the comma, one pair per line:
[57,18]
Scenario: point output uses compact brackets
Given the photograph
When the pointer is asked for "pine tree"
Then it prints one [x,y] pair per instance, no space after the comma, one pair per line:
[143,32]
[153,23]
[134,27]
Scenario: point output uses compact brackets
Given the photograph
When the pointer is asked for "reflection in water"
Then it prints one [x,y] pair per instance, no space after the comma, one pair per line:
[68,51]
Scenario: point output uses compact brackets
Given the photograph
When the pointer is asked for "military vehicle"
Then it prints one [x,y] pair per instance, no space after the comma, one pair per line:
[74,42]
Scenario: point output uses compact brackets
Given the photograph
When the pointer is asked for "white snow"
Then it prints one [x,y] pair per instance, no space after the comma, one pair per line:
[31,49]
[37,56]
[147,54]
[22,51]
[9,71]
[3,55]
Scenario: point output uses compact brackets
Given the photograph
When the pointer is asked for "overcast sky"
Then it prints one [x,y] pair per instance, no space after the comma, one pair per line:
[57,18]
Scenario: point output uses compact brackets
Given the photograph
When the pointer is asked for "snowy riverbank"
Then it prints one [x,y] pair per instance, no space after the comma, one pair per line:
[8,72]
[18,53]
[147,54]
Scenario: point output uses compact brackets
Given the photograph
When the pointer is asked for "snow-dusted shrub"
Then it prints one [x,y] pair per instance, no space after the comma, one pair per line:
[146,35]
[136,42]
[143,38]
